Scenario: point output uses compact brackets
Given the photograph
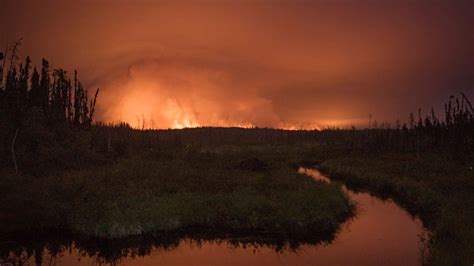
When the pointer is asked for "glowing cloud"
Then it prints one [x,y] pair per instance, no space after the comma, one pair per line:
[152,95]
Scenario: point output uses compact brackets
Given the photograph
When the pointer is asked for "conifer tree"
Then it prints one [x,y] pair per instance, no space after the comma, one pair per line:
[23,83]
[35,91]
[44,86]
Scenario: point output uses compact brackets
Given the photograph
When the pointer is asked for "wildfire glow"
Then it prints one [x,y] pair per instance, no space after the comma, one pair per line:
[142,108]
[152,96]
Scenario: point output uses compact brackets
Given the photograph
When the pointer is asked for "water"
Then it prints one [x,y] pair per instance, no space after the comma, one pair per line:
[381,234]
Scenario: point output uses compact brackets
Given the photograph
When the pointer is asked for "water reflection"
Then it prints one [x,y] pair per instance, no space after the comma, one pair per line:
[315,174]
[74,250]
[381,234]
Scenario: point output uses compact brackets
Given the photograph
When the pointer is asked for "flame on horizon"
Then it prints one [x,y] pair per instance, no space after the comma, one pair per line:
[152,96]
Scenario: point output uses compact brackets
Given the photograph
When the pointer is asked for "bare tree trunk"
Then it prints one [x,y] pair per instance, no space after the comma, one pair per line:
[13,150]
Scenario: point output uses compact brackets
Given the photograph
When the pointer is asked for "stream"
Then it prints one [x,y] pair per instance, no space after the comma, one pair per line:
[382,233]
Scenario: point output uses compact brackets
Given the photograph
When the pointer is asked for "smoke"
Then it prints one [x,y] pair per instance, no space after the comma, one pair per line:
[157,94]
[289,64]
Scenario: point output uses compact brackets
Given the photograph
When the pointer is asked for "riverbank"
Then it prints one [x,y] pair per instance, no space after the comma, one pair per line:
[243,191]
[437,189]
[248,190]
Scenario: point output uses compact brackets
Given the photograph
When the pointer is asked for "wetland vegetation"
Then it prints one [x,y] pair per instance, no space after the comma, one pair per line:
[61,173]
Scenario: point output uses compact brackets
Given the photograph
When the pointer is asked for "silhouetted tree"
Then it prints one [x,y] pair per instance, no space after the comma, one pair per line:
[35,92]
[44,85]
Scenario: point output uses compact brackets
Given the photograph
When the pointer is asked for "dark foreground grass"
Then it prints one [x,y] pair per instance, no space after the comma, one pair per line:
[236,191]
[243,192]
[437,189]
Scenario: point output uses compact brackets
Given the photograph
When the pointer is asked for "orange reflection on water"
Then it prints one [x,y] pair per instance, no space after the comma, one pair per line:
[381,234]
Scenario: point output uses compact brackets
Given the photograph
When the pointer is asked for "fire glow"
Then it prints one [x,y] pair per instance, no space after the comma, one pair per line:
[152,96]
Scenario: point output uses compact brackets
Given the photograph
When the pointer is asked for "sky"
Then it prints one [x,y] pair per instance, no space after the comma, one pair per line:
[286,64]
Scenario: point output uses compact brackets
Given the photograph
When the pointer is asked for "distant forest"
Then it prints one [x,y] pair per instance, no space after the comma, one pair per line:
[46,123]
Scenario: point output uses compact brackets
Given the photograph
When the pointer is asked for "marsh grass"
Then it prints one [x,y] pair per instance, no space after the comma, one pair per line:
[186,189]
[437,189]
[244,192]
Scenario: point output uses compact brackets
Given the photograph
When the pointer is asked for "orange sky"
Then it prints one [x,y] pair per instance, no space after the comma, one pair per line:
[287,64]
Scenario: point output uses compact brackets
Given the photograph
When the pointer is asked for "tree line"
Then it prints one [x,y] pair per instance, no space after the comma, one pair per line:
[46,122]
[450,135]
[60,98]
[43,111]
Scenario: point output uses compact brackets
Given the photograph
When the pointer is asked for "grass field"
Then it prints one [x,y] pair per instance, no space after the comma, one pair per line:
[252,190]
